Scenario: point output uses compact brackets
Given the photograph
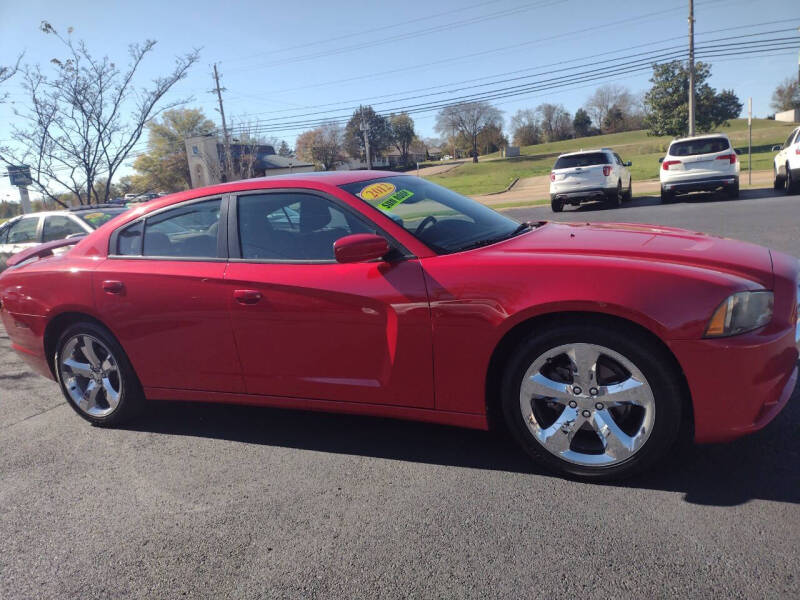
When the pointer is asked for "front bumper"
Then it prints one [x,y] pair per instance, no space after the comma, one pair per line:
[703,184]
[738,384]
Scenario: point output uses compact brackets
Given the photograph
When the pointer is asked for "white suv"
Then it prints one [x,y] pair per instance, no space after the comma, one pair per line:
[704,163]
[29,230]
[786,165]
[589,175]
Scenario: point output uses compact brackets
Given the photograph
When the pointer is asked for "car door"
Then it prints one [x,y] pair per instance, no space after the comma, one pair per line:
[309,327]
[162,293]
[625,173]
[781,158]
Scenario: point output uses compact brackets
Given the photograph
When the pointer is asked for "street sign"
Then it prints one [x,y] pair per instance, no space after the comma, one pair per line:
[20,175]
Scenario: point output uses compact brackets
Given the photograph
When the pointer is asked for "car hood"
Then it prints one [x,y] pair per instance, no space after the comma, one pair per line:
[651,243]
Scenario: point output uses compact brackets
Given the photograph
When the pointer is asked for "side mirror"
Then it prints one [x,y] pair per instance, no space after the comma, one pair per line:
[776,149]
[627,164]
[360,247]
[660,160]
[738,152]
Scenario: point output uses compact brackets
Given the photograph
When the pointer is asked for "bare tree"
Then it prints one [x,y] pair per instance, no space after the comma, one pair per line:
[525,129]
[605,98]
[322,145]
[469,119]
[83,122]
[555,121]
[786,95]
[7,72]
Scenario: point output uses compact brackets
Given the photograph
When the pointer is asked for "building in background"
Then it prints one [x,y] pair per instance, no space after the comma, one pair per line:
[789,116]
[206,153]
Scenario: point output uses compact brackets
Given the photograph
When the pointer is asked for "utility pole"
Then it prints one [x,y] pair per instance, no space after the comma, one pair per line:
[365,130]
[226,139]
[750,140]
[691,67]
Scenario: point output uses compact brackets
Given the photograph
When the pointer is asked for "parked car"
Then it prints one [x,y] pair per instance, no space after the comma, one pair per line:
[32,229]
[786,164]
[590,175]
[703,163]
[369,292]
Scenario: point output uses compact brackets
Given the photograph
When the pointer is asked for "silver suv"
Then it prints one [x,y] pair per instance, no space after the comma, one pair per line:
[590,175]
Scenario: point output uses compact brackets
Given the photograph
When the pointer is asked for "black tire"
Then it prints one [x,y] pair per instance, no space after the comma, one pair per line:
[615,200]
[777,182]
[556,205]
[733,191]
[667,197]
[653,362]
[629,193]
[789,182]
[131,397]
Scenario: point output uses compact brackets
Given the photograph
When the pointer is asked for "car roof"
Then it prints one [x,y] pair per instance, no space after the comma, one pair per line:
[701,137]
[590,151]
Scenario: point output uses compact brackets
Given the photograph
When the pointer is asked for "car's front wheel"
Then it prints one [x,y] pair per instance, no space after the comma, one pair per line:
[592,401]
[789,181]
[95,375]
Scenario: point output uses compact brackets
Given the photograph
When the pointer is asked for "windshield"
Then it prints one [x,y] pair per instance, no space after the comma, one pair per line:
[701,146]
[442,219]
[582,160]
[100,216]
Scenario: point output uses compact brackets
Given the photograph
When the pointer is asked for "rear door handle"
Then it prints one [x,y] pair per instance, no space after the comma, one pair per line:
[247,296]
[113,287]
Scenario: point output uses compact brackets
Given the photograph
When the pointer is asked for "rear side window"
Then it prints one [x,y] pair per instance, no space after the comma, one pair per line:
[187,231]
[23,231]
[59,227]
[582,160]
[704,146]
[3,234]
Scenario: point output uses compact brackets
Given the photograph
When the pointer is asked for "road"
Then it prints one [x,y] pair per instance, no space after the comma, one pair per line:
[240,502]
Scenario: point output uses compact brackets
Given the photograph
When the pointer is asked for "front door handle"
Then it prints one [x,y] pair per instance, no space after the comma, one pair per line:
[113,287]
[247,296]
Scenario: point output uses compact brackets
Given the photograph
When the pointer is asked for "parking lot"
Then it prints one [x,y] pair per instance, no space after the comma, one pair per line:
[242,502]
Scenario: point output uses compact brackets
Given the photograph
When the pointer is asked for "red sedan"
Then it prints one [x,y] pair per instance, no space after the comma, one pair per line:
[597,346]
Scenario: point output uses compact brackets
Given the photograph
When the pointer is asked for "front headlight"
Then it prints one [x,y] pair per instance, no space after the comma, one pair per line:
[741,312]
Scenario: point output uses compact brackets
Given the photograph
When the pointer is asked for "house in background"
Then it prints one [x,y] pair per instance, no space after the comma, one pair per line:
[416,153]
[205,155]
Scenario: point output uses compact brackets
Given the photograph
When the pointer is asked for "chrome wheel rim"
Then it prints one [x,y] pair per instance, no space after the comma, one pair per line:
[90,375]
[587,404]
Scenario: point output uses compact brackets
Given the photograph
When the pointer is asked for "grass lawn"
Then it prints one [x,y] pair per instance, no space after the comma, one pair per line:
[493,174]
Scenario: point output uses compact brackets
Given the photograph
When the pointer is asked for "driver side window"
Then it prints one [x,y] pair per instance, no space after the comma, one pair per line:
[290,226]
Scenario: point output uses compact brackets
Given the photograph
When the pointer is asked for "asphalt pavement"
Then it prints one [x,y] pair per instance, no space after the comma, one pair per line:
[240,502]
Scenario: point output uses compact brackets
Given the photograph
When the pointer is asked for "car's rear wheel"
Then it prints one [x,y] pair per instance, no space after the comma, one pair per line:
[789,181]
[592,401]
[615,200]
[733,191]
[556,204]
[667,197]
[777,182]
[95,376]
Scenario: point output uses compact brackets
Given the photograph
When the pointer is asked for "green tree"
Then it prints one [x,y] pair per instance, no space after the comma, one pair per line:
[164,167]
[379,133]
[322,145]
[786,95]
[402,131]
[491,138]
[667,101]
[582,124]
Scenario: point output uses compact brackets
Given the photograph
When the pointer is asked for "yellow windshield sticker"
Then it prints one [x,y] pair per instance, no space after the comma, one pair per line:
[95,215]
[376,191]
[395,199]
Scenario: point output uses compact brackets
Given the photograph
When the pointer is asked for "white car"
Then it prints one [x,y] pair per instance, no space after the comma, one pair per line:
[786,164]
[590,175]
[29,230]
[704,163]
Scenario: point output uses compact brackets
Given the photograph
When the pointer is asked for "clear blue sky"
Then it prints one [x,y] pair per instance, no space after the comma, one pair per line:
[281,59]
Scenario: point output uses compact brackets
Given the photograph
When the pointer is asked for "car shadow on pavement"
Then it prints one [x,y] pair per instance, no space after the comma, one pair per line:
[697,198]
[765,465]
